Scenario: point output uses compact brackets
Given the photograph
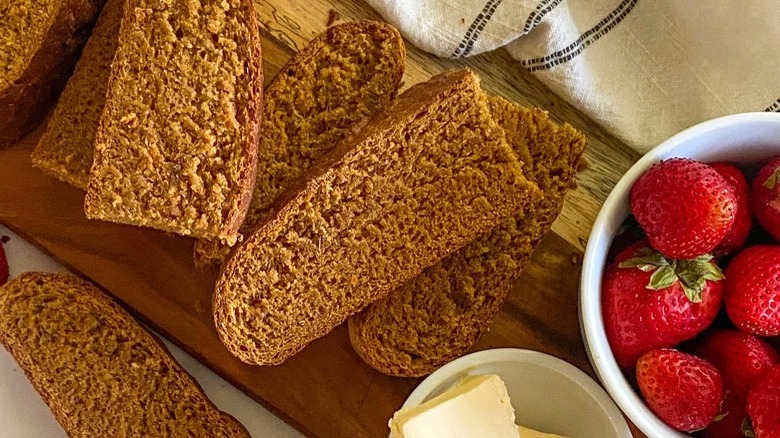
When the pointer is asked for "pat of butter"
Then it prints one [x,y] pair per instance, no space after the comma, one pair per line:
[530,433]
[476,406]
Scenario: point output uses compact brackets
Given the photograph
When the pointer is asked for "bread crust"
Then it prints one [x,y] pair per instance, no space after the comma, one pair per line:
[236,217]
[25,102]
[211,253]
[78,419]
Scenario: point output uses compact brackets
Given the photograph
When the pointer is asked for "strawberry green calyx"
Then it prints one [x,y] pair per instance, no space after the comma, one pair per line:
[747,428]
[692,274]
[772,179]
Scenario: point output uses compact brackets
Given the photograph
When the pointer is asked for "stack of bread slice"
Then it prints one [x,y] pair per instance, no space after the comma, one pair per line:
[429,173]
[377,232]
[411,216]
[323,94]
[440,314]
[159,121]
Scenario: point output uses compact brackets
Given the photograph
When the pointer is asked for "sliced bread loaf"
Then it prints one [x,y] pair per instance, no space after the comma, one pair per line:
[340,79]
[437,316]
[430,172]
[101,373]
[176,147]
[39,43]
[65,149]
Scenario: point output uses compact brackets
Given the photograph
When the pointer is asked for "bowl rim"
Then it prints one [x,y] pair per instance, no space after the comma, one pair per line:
[594,261]
[469,362]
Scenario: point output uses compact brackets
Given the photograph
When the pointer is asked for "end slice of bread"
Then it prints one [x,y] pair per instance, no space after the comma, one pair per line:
[40,42]
[101,373]
[319,98]
[176,147]
[65,149]
[429,173]
[440,314]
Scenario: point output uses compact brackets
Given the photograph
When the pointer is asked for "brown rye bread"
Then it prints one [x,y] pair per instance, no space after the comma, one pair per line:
[39,43]
[176,147]
[99,371]
[429,173]
[65,149]
[440,314]
[325,92]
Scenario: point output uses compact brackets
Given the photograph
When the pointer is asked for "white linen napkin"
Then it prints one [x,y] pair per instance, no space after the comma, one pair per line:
[643,69]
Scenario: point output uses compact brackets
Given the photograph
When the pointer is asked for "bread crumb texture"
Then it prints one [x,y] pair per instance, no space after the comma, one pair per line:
[440,314]
[340,79]
[23,25]
[65,149]
[429,173]
[100,372]
[176,146]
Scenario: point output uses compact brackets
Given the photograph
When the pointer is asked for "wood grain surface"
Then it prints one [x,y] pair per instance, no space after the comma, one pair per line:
[325,390]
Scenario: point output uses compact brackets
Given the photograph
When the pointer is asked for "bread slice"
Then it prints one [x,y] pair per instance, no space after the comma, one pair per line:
[437,316]
[176,147]
[65,149]
[101,373]
[430,172]
[338,80]
[40,41]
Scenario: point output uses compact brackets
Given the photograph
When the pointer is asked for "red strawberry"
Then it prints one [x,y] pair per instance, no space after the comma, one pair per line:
[685,207]
[683,390]
[742,359]
[765,197]
[763,405]
[736,237]
[753,290]
[651,302]
[3,266]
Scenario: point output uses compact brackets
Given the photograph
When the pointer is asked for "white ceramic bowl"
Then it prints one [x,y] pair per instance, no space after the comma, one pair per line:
[547,393]
[748,139]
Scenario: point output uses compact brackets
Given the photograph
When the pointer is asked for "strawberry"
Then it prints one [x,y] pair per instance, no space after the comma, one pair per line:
[742,359]
[738,233]
[753,290]
[763,405]
[765,197]
[3,266]
[685,207]
[652,302]
[683,390]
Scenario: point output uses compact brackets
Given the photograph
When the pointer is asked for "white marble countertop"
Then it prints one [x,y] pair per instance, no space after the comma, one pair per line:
[24,415]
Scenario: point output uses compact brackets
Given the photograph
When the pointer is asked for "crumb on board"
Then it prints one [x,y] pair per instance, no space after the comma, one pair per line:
[333,17]
[4,238]
[582,165]
[576,258]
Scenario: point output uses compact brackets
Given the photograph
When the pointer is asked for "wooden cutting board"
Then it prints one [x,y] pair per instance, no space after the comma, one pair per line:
[325,390]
